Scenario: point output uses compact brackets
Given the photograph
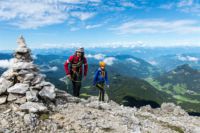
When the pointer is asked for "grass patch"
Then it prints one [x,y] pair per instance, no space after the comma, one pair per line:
[185,99]
[87,88]
[180,89]
[44,117]
[157,85]
[84,95]
[154,83]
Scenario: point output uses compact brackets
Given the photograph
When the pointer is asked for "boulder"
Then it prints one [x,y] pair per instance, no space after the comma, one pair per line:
[44,83]
[48,92]
[33,107]
[168,107]
[3,99]
[37,79]
[23,65]
[23,72]
[21,100]
[22,50]
[18,88]
[8,74]
[4,85]
[30,119]
[29,77]
[32,96]
[13,97]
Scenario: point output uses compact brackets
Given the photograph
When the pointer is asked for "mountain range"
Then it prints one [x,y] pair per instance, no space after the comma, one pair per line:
[135,80]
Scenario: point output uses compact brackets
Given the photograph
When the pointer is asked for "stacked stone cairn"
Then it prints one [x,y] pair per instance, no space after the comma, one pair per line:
[23,85]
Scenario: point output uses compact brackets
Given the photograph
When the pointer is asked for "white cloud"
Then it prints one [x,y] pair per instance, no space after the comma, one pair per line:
[79,1]
[167,6]
[97,1]
[128,4]
[152,62]
[133,60]
[6,63]
[96,56]
[83,15]
[187,6]
[109,61]
[187,58]
[71,1]
[184,3]
[93,26]
[31,14]
[126,44]
[49,69]
[158,26]
[54,68]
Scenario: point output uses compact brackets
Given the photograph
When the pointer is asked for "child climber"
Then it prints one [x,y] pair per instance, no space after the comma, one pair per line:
[100,79]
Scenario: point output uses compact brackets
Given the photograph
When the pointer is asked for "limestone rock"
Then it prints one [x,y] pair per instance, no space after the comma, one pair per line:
[173,109]
[14,107]
[4,122]
[4,85]
[23,72]
[32,96]
[21,100]
[48,92]
[44,83]
[30,119]
[23,65]
[33,107]
[3,99]
[21,42]
[9,74]
[22,50]
[37,79]
[13,97]
[168,107]
[29,77]
[19,88]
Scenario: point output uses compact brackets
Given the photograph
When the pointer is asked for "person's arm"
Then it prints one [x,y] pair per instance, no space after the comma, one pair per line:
[85,66]
[67,64]
[95,77]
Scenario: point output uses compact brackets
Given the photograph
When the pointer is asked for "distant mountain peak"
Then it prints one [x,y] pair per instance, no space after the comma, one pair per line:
[185,68]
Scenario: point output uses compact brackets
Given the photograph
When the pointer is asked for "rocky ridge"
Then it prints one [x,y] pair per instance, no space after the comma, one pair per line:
[30,104]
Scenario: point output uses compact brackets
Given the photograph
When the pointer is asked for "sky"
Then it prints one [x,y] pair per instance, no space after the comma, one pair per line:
[93,23]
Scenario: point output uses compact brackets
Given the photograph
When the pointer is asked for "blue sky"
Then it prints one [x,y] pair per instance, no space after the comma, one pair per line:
[66,23]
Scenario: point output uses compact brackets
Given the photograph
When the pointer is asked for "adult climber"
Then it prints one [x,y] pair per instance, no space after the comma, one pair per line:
[74,67]
[100,79]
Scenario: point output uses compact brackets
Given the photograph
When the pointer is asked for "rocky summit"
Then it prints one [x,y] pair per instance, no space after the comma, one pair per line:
[30,104]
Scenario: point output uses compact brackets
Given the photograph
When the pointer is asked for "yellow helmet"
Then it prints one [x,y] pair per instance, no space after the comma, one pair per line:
[102,64]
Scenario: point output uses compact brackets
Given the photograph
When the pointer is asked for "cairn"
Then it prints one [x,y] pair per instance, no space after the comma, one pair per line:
[23,84]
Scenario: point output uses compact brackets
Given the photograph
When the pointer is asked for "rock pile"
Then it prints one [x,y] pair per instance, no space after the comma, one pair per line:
[23,85]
